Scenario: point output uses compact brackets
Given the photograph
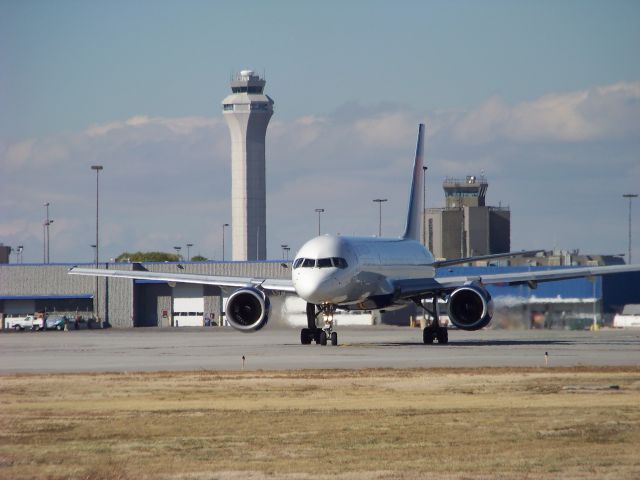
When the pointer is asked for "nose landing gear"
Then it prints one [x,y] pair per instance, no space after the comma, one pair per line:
[314,333]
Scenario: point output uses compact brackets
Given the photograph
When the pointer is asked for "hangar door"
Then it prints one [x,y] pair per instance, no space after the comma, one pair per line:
[188,305]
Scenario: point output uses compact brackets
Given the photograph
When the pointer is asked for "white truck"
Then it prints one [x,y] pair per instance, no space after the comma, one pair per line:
[19,323]
[28,322]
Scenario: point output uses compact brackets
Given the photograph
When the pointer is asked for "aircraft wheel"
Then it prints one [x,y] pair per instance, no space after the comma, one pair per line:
[305,336]
[323,337]
[442,335]
[334,339]
[427,335]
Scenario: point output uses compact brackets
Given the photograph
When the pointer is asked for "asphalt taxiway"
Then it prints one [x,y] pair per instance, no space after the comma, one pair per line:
[152,349]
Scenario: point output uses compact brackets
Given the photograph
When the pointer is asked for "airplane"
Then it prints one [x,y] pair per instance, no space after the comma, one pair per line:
[333,272]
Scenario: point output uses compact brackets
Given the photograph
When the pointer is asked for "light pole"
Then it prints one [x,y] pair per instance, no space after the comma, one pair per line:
[45,236]
[97,168]
[630,196]
[223,227]
[177,249]
[20,257]
[424,205]
[319,211]
[49,222]
[380,201]
[189,245]
[285,248]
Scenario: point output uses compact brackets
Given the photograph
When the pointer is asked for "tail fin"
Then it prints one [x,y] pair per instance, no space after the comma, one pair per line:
[414,216]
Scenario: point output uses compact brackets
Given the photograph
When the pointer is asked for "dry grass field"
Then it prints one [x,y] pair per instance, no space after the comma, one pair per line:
[344,424]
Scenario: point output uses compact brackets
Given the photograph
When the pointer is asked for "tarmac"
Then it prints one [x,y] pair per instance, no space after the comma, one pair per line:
[214,348]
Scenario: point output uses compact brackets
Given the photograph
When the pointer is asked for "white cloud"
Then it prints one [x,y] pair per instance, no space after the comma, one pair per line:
[595,114]
[167,180]
[393,129]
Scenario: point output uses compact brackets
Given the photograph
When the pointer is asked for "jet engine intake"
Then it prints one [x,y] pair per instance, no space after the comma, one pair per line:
[470,307]
[248,309]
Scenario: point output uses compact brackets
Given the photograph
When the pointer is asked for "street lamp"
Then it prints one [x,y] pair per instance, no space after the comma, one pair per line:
[319,211]
[20,257]
[177,249]
[189,245]
[424,205]
[45,235]
[97,169]
[285,248]
[49,222]
[223,227]
[380,201]
[630,196]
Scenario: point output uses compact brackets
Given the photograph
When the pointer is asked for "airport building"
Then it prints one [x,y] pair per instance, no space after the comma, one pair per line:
[247,112]
[29,288]
[466,226]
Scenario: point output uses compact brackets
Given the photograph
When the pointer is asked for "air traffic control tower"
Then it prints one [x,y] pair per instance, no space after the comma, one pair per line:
[466,226]
[247,112]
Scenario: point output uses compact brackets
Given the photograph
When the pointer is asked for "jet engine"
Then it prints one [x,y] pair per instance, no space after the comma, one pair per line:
[470,307]
[247,309]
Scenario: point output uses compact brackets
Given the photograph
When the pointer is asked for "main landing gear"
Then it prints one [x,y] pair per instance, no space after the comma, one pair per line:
[434,331]
[319,335]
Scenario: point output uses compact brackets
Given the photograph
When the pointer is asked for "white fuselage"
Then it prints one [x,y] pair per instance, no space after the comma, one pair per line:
[357,271]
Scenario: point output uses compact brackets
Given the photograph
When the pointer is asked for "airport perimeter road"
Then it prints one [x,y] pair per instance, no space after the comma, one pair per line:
[213,348]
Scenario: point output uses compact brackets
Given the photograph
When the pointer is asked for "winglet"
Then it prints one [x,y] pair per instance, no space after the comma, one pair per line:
[414,215]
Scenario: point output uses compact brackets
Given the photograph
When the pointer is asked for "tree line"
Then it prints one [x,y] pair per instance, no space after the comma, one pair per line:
[155,257]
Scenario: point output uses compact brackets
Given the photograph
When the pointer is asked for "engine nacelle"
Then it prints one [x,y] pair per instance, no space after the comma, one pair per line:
[247,309]
[470,307]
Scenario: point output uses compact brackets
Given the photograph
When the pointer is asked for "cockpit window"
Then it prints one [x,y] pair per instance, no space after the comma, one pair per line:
[320,263]
[324,263]
[308,263]
[339,262]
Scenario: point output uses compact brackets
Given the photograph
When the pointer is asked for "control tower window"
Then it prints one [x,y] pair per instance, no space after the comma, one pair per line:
[250,89]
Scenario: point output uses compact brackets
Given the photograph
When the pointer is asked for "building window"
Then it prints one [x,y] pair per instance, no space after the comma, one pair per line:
[430,234]
[228,106]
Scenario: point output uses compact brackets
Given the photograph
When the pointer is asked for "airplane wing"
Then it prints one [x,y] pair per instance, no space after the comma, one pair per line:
[424,286]
[495,256]
[282,285]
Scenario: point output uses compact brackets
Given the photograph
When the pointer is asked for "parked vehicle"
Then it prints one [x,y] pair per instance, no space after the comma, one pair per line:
[39,322]
[20,323]
[56,322]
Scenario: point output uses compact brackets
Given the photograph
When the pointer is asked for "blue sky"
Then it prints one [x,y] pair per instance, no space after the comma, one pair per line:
[479,73]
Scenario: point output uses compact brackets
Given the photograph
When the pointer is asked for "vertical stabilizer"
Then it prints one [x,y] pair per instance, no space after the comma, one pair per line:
[414,216]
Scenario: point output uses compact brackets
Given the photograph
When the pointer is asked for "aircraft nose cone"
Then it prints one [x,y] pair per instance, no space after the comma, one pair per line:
[315,289]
